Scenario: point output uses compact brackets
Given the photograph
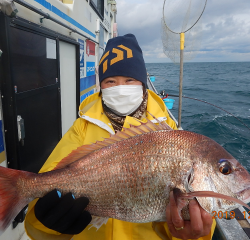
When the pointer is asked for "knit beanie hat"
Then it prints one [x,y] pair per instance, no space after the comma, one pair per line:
[123,57]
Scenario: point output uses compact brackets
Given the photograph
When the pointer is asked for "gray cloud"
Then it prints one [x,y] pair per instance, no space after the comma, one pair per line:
[225,34]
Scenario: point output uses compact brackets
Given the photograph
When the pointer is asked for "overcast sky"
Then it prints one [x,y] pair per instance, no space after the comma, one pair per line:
[225,29]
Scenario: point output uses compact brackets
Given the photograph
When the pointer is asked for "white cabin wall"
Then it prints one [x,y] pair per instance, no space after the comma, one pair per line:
[68,84]
[76,11]
[27,14]
[79,10]
[85,14]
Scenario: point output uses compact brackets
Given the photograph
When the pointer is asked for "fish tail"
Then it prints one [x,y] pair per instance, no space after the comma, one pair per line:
[11,201]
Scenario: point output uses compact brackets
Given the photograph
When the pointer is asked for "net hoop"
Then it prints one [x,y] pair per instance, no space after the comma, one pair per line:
[188,28]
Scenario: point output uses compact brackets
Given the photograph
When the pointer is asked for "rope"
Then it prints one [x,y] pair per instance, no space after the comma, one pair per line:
[196,99]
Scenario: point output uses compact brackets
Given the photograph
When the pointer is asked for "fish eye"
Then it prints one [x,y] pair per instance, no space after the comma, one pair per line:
[225,167]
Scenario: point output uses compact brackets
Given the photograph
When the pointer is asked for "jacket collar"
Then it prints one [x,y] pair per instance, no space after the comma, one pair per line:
[91,110]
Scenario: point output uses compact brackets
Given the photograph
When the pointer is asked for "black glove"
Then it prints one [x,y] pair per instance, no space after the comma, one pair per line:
[63,214]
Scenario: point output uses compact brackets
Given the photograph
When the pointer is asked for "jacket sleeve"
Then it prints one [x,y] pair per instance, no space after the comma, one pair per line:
[161,229]
[171,122]
[70,141]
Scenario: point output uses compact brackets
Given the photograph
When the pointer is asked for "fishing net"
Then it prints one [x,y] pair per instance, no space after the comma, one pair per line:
[182,16]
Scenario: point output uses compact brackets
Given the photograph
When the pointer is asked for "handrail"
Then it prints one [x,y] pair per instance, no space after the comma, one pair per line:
[47,16]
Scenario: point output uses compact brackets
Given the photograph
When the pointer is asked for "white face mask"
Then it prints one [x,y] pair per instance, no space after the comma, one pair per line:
[123,99]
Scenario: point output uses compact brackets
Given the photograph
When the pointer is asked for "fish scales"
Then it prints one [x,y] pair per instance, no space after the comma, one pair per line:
[131,179]
[128,184]
[127,173]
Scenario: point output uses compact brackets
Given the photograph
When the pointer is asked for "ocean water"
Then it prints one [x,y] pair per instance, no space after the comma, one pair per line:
[226,85]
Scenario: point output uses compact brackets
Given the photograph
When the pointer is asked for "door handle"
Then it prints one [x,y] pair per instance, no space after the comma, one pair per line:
[20,129]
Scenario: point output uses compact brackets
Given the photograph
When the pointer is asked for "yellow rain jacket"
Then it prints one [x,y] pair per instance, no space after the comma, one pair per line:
[93,125]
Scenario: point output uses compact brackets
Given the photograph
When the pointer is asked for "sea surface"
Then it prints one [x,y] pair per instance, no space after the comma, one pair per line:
[226,85]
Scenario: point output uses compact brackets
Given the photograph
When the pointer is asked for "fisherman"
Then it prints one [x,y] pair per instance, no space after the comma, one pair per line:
[122,99]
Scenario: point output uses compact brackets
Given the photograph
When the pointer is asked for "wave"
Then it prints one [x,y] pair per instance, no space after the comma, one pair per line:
[225,85]
[225,130]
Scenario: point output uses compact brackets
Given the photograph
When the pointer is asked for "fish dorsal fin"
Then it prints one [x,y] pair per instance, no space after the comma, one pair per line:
[119,136]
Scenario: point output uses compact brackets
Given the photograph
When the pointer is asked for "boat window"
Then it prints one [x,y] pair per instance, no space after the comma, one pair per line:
[101,36]
[101,41]
[98,6]
[34,60]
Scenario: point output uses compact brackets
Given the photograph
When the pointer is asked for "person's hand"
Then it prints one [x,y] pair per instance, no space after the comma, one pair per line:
[199,225]
[64,214]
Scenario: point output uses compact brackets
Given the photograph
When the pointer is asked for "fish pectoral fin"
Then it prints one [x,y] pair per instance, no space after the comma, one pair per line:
[97,222]
[180,202]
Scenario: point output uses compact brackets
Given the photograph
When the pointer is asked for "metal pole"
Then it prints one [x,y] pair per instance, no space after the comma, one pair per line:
[182,39]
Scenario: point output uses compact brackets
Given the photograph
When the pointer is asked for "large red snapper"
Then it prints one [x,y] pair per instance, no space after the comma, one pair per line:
[129,175]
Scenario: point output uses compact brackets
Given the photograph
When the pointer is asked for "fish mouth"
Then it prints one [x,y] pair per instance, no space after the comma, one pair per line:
[244,195]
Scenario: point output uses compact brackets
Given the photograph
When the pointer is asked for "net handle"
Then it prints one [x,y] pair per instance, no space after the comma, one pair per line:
[188,28]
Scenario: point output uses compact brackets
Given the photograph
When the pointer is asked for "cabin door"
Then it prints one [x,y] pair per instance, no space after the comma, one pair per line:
[40,91]
[34,61]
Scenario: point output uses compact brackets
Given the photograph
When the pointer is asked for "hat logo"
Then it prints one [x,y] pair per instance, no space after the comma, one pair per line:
[119,57]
